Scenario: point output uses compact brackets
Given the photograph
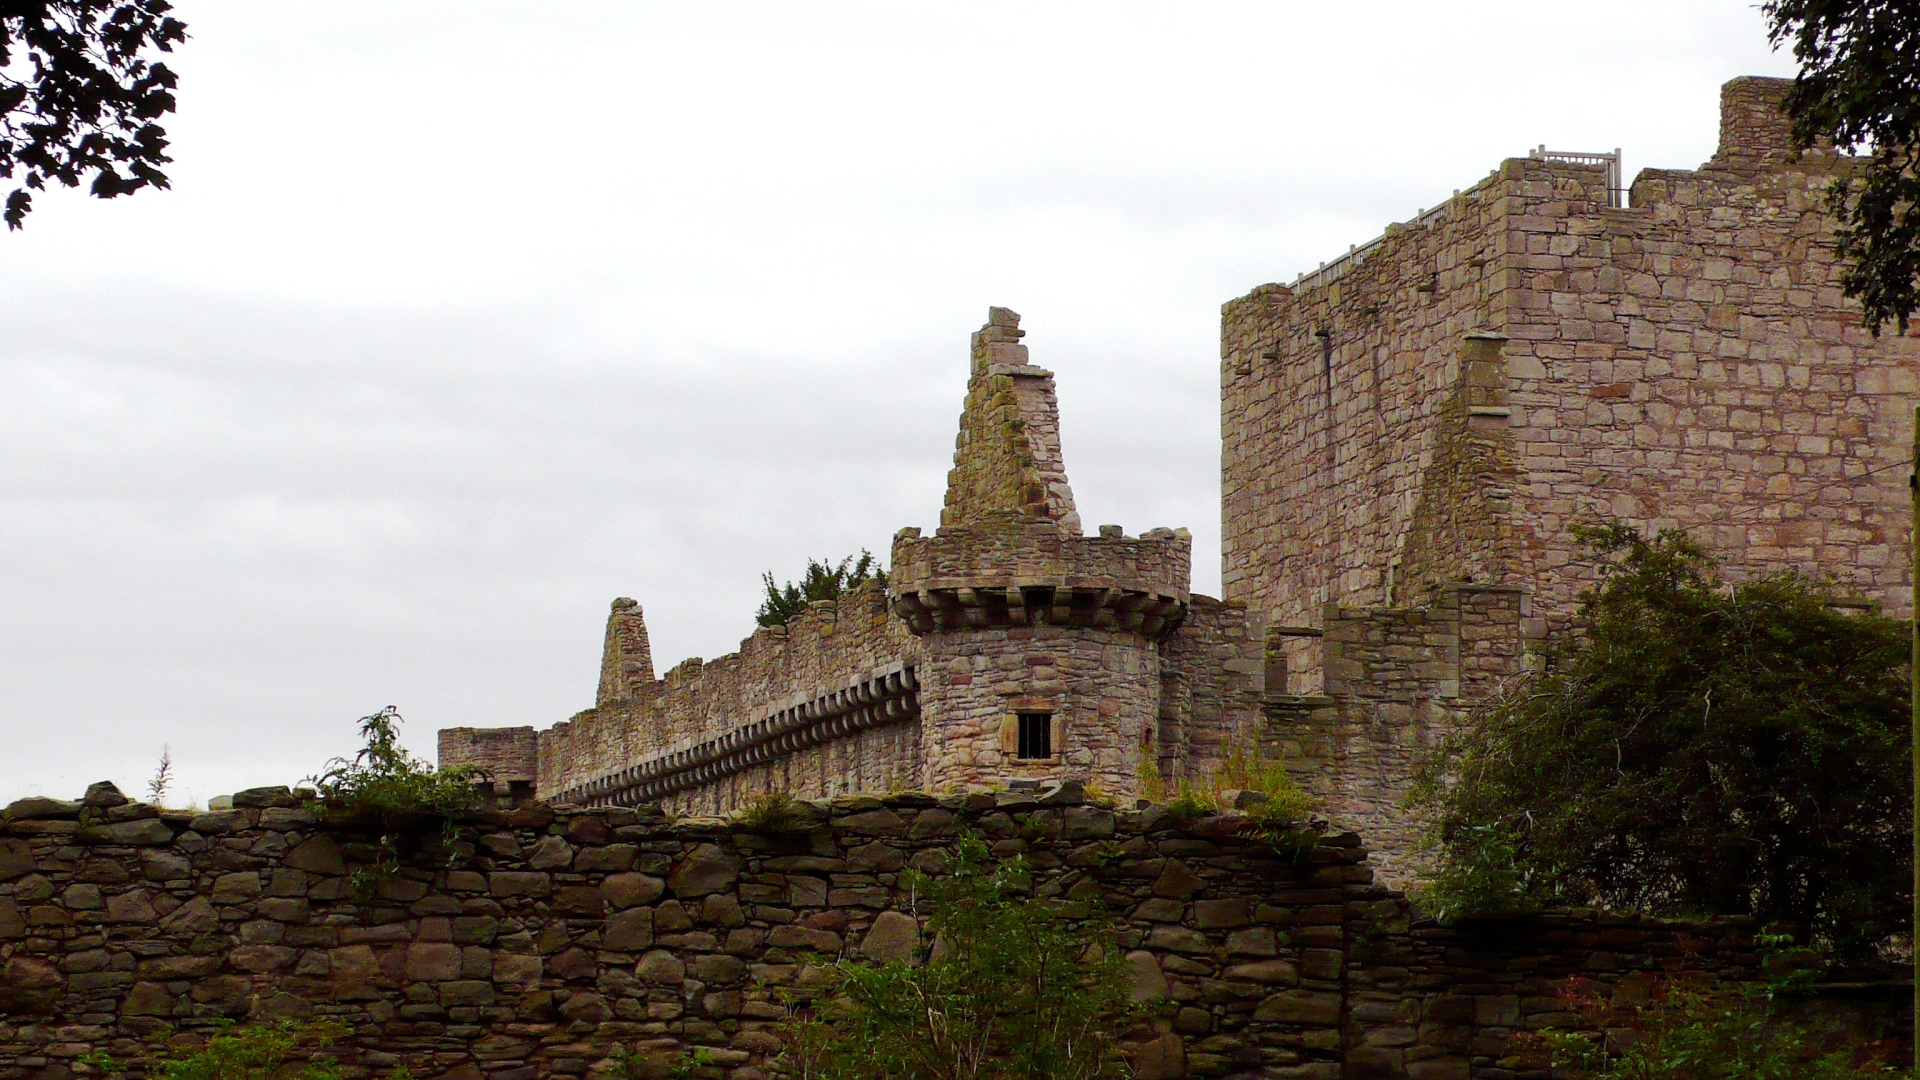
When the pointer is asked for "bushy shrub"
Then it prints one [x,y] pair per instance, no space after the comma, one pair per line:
[822,581]
[1690,747]
[1011,990]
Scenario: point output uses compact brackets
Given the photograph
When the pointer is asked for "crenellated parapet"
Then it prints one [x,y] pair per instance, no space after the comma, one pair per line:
[1031,573]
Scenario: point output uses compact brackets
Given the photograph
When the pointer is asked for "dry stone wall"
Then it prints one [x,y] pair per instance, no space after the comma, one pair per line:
[547,937]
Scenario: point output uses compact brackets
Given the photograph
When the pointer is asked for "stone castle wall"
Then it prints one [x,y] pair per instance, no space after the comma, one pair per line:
[826,649]
[548,937]
[1410,436]
[1685,361]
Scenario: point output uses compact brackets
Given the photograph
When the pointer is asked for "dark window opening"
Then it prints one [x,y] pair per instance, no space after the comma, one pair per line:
[1036,735]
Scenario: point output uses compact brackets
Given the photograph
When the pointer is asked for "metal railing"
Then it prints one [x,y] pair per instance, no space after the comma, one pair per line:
[1333,270]
[1616,189]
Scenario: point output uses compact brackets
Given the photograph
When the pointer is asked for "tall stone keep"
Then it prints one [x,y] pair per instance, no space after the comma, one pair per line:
[1041,653]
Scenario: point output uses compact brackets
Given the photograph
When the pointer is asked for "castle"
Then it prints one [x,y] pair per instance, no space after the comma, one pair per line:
[1410,433]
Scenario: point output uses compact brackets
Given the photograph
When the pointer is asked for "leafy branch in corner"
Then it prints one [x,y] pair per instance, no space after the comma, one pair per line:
[89,106]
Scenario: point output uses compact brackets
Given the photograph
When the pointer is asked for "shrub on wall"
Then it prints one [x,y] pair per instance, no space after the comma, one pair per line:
[1690,747]
[390,793]
[1010,990]
[822,581]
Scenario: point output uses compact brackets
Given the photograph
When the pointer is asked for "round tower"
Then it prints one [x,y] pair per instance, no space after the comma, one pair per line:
[1040,646]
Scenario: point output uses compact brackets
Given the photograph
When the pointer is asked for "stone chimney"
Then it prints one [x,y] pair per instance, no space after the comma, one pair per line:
[626,663]
[1752,127]
[1007,462]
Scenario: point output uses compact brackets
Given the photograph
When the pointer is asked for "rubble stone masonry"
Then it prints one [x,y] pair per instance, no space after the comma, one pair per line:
[1437,413]
[547,938]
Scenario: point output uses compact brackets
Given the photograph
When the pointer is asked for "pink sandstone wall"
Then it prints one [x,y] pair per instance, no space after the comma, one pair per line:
[827,648]
[1687,361]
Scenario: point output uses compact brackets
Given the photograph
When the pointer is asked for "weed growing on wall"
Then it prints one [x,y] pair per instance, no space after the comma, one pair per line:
[288,1050]
[1011,991]
[1246,779]
[774,813]
[389,792]
[1693,747]
[1682,1032]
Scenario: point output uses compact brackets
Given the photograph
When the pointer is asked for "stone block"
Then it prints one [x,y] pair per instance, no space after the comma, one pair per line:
[628,931]
[1306,1007]
[706,869]
[893,936]
[507,883]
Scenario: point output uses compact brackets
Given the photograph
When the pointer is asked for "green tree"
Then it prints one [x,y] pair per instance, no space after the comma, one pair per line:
[91,97]
[822,581]
[1011,991]
[1859,88]
[1690,747]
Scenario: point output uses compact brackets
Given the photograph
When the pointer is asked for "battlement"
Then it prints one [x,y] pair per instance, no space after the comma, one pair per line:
[1028,573]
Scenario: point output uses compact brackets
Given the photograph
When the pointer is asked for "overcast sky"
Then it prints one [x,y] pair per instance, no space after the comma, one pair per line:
[462,319]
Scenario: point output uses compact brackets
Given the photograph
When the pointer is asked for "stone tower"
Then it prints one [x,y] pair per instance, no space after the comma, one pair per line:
[1041,646]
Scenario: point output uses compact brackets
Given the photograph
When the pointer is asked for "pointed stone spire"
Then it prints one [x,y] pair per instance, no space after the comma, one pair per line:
[1007,462]
[626,664]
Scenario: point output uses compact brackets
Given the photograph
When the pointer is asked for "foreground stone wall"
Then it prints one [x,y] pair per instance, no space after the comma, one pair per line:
[547,937]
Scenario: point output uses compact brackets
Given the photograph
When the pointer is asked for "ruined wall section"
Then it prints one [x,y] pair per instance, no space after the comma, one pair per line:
[626,660]
[1007,457]
[830,646]
[1462,528]
[1212,677]
[1397,682]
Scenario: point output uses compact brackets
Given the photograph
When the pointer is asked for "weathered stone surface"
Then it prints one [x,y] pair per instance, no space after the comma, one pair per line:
[37,808]
[1266,971]
[660,968]
[629,890]
[894,935]
[317,855]
[1146,982]
[629,931]
[104,795]
[28,987]
[1176,881]
[518,883]
[1161,1058]
[144,831]
[707,869]
[1300,1007]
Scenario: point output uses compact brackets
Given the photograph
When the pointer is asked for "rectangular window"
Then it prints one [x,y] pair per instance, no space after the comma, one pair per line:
[1036,735]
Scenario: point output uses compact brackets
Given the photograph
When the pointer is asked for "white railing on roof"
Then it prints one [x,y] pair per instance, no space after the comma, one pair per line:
[1616,191]
[1328,272]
